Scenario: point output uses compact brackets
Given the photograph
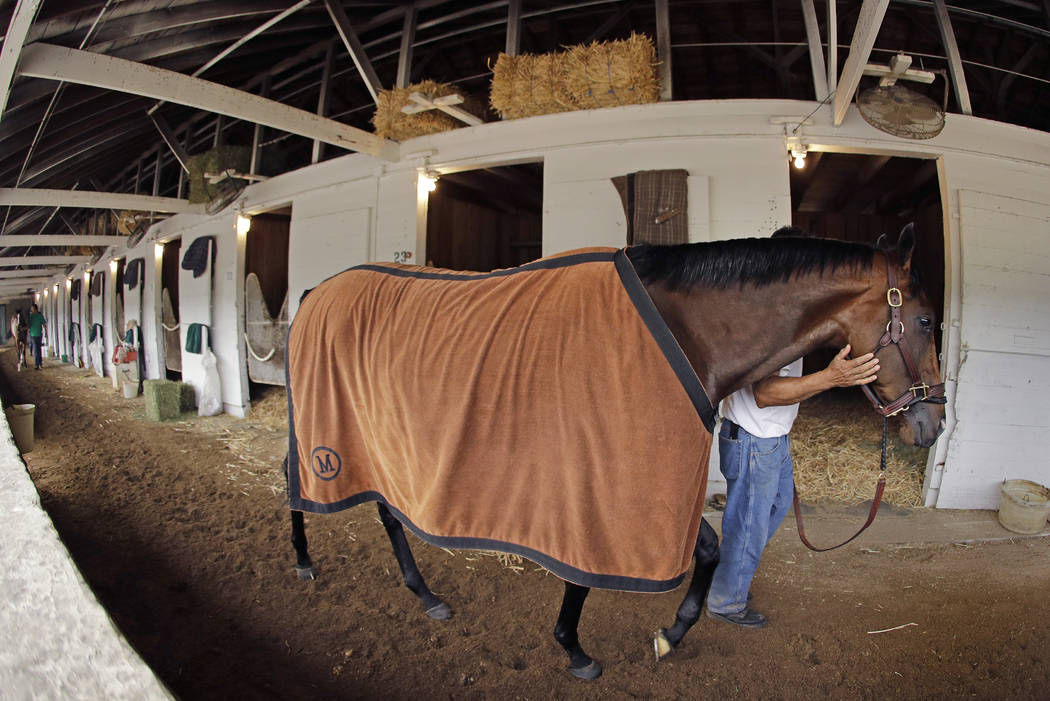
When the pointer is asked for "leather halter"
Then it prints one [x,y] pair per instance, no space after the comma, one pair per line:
[918,392]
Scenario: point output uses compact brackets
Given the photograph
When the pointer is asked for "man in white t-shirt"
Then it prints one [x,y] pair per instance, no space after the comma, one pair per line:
[755,458]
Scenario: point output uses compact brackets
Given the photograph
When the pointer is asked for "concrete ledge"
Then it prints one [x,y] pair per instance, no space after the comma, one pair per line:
[58,641]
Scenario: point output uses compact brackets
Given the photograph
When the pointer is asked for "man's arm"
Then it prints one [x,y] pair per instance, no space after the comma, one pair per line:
[840,372]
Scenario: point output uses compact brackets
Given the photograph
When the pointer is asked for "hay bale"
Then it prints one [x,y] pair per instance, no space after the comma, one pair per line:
[602,74]
[613,73]
[530,85]
[187,397]
[216,160]
[162,399]
[391,123]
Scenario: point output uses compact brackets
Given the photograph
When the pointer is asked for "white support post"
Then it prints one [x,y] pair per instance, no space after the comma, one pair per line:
[513,27]
[663,49]
[354,47]
[833,47]
[816,51]
[86,68]
[868,22]
[322,99]
[408,38]
[951,48]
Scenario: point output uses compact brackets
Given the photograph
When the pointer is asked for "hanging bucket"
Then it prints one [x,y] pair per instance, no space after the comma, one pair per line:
[1025,506]
[20,418]
[131,389]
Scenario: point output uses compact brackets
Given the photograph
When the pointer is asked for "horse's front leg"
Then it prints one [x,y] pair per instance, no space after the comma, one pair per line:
[434,607]
[565,632]
[706,553]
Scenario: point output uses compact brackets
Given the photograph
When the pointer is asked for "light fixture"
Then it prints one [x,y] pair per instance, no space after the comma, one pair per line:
[244,223]
[427,182]
[158,251]
[113,266]
[69,283]
[798,154]
[45,293]
[56,287]
[87,277]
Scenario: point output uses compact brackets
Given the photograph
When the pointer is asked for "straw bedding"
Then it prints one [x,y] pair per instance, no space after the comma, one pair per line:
[835,444]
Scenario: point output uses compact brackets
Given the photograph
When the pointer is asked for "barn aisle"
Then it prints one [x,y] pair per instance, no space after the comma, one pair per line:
[180,528]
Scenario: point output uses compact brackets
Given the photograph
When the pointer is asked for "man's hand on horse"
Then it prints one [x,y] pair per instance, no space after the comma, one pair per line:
[843,371]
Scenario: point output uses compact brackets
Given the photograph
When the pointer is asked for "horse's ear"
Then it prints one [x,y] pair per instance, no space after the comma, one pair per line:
[906,245]
[882,242]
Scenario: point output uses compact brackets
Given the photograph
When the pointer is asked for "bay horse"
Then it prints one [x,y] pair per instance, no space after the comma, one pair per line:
[714,317]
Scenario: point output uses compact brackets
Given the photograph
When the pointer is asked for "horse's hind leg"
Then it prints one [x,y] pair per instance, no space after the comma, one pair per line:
[706,553]
[565,632]
[434,607]
[304,567]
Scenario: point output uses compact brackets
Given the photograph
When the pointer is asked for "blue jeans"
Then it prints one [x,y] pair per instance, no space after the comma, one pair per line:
[759,486]
[36,342]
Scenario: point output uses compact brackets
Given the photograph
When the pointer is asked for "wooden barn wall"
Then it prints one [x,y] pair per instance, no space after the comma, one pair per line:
[1002,405]
[355,209]
[453,227]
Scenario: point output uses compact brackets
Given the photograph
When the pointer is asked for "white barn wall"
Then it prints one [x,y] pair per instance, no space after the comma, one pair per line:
[355,209]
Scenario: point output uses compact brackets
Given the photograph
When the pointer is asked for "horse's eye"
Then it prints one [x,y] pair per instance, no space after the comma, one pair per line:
[925,323]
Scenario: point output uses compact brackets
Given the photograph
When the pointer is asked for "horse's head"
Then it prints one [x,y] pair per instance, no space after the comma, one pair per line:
[898,322]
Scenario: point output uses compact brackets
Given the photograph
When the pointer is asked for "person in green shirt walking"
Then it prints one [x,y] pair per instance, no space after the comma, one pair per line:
[37,335]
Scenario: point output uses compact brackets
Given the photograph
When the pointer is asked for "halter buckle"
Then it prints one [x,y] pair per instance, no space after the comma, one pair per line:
[889,297]
[924,388]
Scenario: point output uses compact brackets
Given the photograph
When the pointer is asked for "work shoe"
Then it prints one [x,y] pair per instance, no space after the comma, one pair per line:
[746,617]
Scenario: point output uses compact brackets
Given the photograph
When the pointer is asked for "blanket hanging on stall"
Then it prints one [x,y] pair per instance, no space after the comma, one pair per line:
[544,410]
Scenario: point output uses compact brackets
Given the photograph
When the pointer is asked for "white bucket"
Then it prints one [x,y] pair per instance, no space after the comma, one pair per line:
[131,389]
[20,418]
[1025,506]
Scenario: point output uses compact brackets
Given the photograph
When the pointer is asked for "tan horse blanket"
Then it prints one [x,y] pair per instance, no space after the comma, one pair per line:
[544,410]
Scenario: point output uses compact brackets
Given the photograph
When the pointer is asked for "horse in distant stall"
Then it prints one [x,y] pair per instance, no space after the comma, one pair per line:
[564,410]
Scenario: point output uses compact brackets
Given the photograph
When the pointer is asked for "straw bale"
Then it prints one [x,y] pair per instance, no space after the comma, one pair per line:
[835,444]
[612,73]
[529,85]
[391,123]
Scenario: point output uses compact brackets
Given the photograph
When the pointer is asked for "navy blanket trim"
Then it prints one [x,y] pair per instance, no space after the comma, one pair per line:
[557,567]
[548,264]
[663,337]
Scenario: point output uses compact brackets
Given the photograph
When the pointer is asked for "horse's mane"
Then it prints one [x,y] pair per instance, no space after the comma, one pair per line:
[736,262]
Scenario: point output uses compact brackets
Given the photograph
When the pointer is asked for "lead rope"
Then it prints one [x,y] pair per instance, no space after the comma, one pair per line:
[879,488]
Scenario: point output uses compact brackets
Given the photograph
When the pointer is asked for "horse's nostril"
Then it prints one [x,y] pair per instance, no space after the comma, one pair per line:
[942,425]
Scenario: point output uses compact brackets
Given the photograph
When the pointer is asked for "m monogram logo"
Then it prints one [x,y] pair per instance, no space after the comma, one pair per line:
[326,463]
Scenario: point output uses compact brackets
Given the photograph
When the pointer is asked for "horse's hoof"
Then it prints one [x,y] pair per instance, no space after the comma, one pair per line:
[441,612]
[661,645]
[306,573]
[591,671]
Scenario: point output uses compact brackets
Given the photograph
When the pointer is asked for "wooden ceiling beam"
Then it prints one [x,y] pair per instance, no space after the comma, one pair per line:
[59,63]
[14,39]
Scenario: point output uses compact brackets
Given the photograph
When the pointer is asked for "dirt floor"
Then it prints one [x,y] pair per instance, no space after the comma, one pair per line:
[181,529]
